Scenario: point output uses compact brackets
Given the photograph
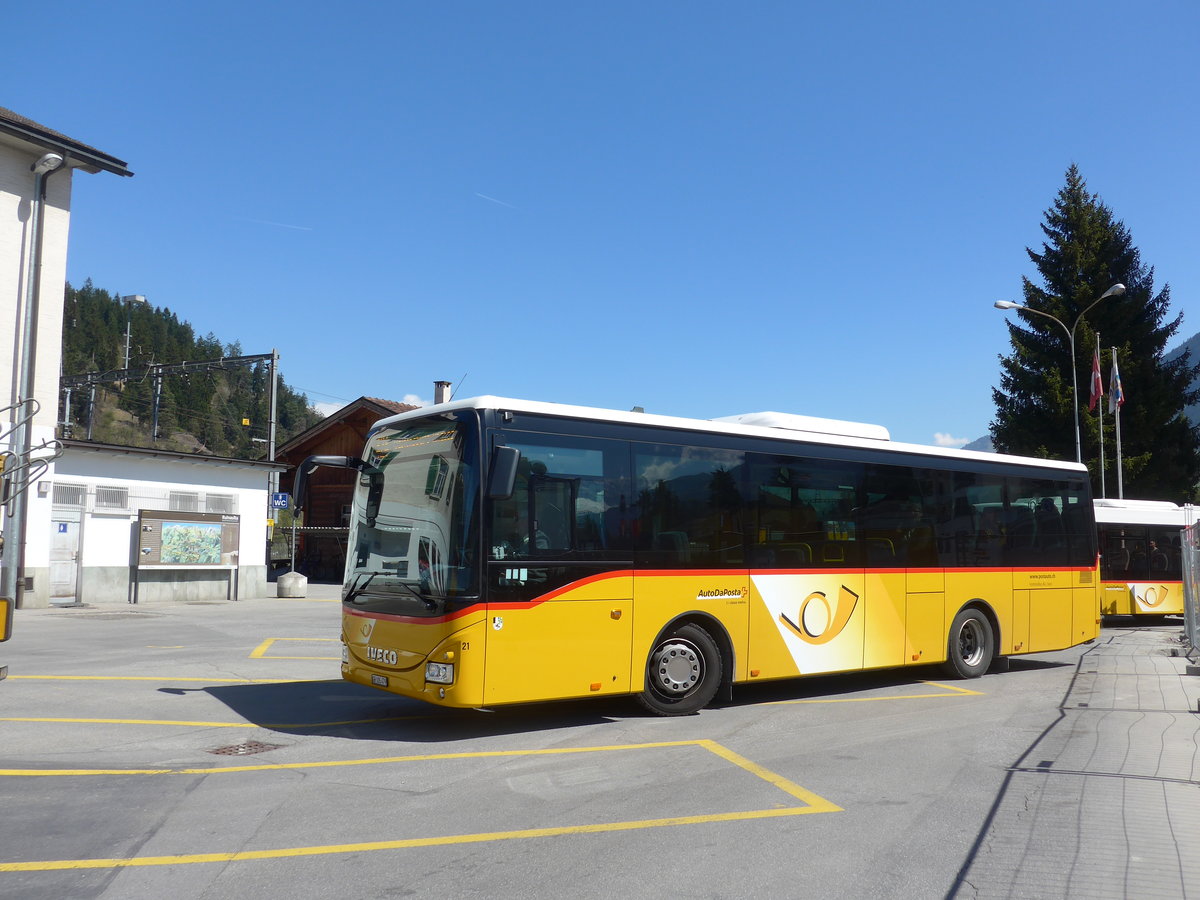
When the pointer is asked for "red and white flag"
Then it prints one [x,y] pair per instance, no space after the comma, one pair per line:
[1097,381]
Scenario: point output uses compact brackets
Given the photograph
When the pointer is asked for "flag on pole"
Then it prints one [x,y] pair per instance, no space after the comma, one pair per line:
[1116,395]
[1097,381]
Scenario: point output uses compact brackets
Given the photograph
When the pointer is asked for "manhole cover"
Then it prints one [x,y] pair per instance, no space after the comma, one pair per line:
[247,748]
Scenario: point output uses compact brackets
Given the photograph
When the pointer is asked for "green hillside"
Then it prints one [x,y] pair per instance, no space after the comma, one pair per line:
[199,412]
[1191,344]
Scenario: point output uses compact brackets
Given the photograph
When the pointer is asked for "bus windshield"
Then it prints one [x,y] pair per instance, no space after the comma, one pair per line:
[414,522]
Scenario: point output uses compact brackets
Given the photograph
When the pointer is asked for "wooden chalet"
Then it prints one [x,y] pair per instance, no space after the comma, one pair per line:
[321,541]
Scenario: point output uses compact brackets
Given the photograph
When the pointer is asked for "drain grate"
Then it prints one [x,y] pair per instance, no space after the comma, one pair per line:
[246,748]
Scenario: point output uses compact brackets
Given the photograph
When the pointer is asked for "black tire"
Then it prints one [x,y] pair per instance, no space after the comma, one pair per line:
[970,646]
[683,672]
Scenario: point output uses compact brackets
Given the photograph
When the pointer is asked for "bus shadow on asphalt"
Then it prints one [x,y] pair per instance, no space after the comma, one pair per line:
[340,709]
[1144,622]
[354,712]
[882,684]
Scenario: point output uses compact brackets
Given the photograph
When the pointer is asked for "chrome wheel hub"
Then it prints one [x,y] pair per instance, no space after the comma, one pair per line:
[677,667]
[970,643]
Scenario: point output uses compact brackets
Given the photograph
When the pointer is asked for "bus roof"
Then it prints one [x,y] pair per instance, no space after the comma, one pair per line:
[810,425]
[770,425]
[1139,512]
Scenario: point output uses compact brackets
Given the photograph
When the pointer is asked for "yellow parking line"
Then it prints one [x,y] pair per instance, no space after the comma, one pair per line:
[169,678]
[813,804]
[260,652]
[373,761]
[951,692]
[277,726]
[955,688]
[127,722]
[711,746]
[329,849]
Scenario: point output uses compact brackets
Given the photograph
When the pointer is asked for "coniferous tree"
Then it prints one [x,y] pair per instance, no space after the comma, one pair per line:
[199,411]
[1086,252]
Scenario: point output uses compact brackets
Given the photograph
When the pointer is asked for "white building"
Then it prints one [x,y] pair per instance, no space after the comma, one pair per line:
[100,498]
[79,514]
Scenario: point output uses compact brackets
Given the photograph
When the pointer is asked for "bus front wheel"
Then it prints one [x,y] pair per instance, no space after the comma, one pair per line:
[971,645]
[683,672]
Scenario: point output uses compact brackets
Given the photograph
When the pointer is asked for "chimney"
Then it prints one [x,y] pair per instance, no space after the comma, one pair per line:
[441,391]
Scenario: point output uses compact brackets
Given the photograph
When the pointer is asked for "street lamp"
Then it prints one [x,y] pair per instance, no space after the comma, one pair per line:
[129,300]
[1113,291]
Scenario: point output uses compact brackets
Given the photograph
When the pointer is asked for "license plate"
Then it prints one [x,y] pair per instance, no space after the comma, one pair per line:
[379,680]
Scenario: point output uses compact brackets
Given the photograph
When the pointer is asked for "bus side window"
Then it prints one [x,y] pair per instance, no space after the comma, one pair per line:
[1116,560]
[568,500]
[689,507]
[553,512]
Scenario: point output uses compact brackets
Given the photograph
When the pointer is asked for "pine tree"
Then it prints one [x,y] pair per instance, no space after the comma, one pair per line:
[198,412]
[1086,252]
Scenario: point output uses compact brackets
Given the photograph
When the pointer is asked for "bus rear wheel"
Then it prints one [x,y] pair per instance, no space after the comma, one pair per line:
[682,673]
[971,645]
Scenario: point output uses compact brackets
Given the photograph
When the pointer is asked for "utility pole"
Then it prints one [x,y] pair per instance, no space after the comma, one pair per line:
[272,476]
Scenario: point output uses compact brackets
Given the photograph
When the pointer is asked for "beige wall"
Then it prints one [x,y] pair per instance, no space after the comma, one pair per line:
[16,244]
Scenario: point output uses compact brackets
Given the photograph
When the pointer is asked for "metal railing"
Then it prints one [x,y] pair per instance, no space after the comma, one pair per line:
[1191,581]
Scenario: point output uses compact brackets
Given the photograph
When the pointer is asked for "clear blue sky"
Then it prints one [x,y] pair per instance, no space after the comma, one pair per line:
[699,208]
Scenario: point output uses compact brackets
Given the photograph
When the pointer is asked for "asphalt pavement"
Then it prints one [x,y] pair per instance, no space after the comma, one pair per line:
[1104,800]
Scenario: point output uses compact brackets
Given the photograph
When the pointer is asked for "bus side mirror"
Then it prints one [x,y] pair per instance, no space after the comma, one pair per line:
[306,468]
[504,473]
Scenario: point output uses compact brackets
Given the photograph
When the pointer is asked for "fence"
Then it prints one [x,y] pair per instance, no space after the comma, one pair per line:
[319,553]
[1191,582]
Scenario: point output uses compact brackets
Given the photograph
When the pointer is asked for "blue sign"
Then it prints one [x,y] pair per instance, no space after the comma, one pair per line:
[280,501]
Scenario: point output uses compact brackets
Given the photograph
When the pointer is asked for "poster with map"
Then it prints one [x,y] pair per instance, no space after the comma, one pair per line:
[191,540]
[191,543]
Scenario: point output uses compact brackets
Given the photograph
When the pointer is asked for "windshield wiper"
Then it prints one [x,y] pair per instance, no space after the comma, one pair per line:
[429,602]
[356,589]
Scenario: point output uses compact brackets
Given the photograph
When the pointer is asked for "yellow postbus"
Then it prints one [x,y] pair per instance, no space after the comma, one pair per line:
[507,551]
[1141,565]
[6,620]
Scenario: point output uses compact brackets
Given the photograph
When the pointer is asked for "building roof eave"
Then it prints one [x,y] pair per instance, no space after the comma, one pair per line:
[196,458]
[381,408]
[78,154]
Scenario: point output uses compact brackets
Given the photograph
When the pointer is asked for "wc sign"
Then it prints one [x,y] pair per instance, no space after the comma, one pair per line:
[280,501]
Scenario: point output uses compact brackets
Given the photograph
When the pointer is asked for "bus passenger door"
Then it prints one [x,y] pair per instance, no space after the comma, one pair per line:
[570,636]
[559,583]
[1051,608]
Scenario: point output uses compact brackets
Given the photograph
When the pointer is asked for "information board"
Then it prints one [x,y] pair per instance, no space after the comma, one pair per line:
[187,540]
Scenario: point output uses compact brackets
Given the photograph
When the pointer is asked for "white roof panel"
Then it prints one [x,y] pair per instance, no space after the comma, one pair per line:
[726,427]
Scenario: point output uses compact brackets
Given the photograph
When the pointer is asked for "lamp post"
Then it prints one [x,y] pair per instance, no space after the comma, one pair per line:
[129,300]
[1113,291]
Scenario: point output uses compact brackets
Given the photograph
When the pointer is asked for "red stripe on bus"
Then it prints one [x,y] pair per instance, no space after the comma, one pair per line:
[678,573]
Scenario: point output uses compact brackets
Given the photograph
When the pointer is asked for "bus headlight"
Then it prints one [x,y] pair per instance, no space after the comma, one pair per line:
[439,673]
